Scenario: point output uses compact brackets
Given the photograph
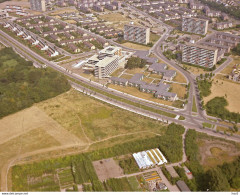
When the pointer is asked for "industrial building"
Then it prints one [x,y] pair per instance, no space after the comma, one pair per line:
[149,158]
[136,34]
[199,55]
[38,5]
[195,25]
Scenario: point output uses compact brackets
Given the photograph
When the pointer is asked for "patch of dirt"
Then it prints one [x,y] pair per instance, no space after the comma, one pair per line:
[107,168]
[216,152]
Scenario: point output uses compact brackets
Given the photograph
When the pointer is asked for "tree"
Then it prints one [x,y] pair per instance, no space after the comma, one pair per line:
[235,128]
[216,180]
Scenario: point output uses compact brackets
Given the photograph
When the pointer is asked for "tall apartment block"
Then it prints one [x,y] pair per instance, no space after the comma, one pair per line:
[136,34]
[199,55]
[195,25]
[38,5]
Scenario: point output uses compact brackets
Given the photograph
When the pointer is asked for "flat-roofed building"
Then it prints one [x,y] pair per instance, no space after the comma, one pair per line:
[38,5]
[136,34]
[106,67]
[149,158]
[182,186]
[195,25]
[199,55]
[104,63]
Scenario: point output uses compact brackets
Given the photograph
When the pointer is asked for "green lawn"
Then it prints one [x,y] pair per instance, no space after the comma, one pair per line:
[194,106]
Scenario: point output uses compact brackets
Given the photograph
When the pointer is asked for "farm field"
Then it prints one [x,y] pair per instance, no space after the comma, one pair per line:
[228,89]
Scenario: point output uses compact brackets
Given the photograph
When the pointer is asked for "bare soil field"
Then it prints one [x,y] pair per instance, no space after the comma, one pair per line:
[216,152]
[107,168]
[229,90]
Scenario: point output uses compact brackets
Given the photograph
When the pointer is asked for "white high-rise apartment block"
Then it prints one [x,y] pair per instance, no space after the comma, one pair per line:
[38,5]
[199,55]
[137,34]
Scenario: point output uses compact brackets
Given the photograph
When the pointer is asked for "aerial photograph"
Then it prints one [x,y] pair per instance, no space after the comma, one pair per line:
[119,96]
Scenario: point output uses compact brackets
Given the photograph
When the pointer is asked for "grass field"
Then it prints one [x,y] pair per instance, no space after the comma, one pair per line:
[126,76]
[154,37]
[180,90]
[134,183]
[194,106]
[228,89]
[135,46]
[196,71]
[99,121]
[229,68]
[179,77]
[61,11]
[113,17]
[135,70]
[116,20]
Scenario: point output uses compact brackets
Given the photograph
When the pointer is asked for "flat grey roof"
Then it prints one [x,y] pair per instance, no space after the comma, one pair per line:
[118,79]
[158,66]
[183,186]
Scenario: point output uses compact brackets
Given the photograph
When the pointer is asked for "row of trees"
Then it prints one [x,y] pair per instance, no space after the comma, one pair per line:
[22,85]
[135,62]
[205,87]
[216,107]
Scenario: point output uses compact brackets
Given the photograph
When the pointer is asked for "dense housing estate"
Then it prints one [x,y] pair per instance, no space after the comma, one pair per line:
[137,34]
[195,25]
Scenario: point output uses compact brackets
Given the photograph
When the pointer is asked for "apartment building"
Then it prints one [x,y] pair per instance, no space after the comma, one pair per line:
[200,55]
[136,34]
[38,5]
[195,25]
[104,63]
